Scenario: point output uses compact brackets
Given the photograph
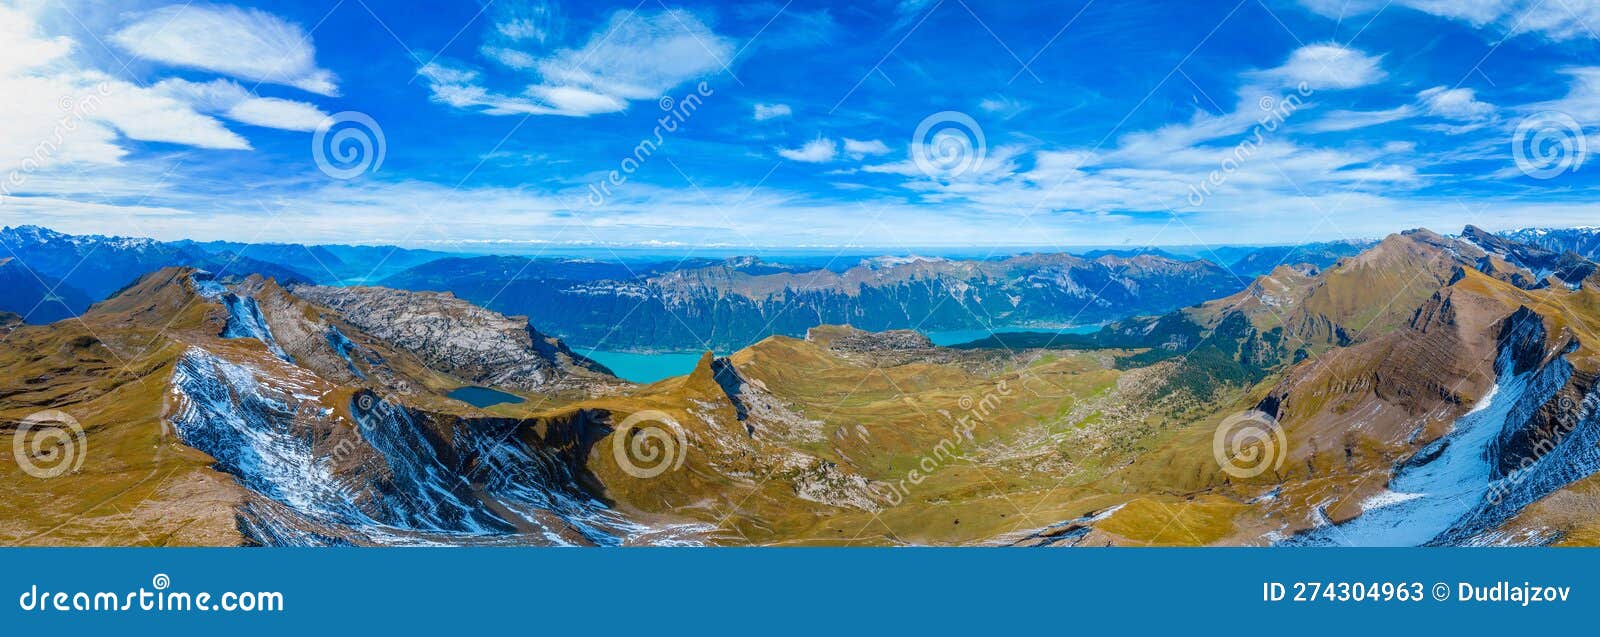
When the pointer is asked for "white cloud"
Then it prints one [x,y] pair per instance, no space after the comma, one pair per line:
[1455,103]
[574,100]
[1002,106]
[510,58]
[228,99]
[24,48]
[787,26]
[147,114]
[1352,120]
[36,133]
[909,11]
[858,149]
[32,133]
[1327,66]
[463,88]
[1241,160]
[60,114]
[528,21]
[633,56]
[640,56]
[518,25]
[56,113]
[1582,101]
[272,112]
[244,43]
[496,219]
[764,112]
[816,151]
[1557,20]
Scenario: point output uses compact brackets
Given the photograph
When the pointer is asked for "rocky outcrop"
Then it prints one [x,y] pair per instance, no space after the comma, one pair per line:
[459,338]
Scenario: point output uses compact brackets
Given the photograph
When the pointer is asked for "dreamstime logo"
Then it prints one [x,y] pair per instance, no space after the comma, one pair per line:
[974,412]
[648,444]
[349,144]
[157,598]
[1275,110]
[948,144]
[1545,441]
[49,443]
[677,112]
[1548,144]
[1246,444]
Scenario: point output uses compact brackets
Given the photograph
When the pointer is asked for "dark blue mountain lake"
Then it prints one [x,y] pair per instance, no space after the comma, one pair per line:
[945,338]
[645,367]
[481,397]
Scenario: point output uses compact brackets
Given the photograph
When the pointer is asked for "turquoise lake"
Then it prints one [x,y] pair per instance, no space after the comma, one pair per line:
[650,367]
[645,368]
[481,397]
[957,337]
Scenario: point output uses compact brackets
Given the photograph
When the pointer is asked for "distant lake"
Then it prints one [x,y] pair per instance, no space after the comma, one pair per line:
[481,397]
[945,338]
[645,368]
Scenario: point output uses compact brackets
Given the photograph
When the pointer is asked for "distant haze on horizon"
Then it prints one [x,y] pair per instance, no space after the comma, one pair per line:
[708,125]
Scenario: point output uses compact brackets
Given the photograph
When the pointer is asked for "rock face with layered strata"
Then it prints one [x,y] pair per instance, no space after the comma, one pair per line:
[460,338]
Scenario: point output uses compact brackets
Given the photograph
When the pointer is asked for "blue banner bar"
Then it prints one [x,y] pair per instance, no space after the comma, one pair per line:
[793,591]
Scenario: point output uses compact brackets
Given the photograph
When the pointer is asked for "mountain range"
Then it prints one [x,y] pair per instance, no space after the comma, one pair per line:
[683,305]
[1423,389]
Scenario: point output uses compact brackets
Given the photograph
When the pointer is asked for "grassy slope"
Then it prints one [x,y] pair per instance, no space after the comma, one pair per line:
[137,485]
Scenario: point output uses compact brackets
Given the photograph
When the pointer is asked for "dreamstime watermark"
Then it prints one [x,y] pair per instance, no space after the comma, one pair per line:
[677,112]
[157,598]
[1249,443]
[648,444]
[974,413]
[49,443]
[1548,144]
[75,110]
[1569,415]
[348,144]
[1275,110]
[947,145]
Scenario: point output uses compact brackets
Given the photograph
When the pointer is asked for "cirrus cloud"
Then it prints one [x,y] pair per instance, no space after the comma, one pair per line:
[248,44]
[633,56]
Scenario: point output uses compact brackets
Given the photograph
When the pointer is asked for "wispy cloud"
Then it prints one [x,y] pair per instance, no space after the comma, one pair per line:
[1582,100]
[1557,20]
[1458,105]
[248,44]
[1002,106]
[633,56]
[232,101]
[58,113]
[764,112]
[858,149]
[817,151]
[1342,121]
[536,21]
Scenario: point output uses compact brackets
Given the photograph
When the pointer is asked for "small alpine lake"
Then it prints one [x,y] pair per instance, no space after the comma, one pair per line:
[482,397]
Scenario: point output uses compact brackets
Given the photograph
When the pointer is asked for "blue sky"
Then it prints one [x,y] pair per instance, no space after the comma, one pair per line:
[877,123]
